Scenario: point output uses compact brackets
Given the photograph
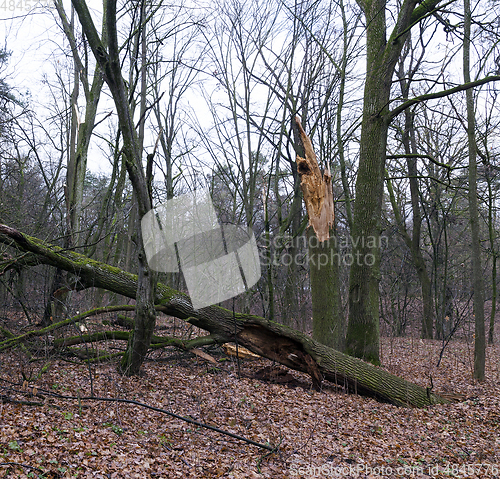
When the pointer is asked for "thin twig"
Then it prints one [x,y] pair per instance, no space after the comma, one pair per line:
[157,409]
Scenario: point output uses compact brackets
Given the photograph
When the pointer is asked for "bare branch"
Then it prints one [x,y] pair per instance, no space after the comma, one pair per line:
[441,94]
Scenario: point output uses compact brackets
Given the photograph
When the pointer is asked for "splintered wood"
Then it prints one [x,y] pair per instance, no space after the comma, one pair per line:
[241,352]
[316,187]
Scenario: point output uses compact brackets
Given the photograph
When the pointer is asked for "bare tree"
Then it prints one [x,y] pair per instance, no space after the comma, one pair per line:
[382,55]
[110,64]
[477,273]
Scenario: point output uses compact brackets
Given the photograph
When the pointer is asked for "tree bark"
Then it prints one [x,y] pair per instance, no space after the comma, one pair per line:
[477,274]
[324,267]
[410,146]
[263,337]
[109,62]
[413,244]
[362,338]
[492,238]
[321,243]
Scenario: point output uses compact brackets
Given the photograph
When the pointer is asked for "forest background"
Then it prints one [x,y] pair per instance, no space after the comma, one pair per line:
[398,99]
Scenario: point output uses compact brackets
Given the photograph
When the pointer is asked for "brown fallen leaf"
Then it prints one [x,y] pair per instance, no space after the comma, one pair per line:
[203,355]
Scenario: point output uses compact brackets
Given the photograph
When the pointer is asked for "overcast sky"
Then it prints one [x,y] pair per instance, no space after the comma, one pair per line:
[36,44]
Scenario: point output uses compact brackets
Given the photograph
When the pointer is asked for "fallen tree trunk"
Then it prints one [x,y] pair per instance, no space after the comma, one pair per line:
[263,337]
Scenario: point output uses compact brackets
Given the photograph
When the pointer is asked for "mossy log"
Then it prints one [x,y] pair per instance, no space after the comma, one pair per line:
[156,341]
[13,340]
[261,336]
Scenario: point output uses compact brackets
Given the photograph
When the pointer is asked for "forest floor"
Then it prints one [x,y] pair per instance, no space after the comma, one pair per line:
[47,432]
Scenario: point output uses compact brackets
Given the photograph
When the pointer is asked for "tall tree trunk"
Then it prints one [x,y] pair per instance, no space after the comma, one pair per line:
[80,132]
[270,279]
[291,305]
[79,135]
[340,105]
[110,64]
[490,179]
[413,241]
[417,255]
[419,263]
[410,146]
[477,274]
[362,338]
[494,295]
[324,266]
[322,245]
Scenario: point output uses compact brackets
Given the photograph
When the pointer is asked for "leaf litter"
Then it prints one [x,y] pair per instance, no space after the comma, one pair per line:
[327,433]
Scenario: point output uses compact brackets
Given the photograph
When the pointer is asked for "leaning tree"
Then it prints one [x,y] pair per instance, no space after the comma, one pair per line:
[266,338]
